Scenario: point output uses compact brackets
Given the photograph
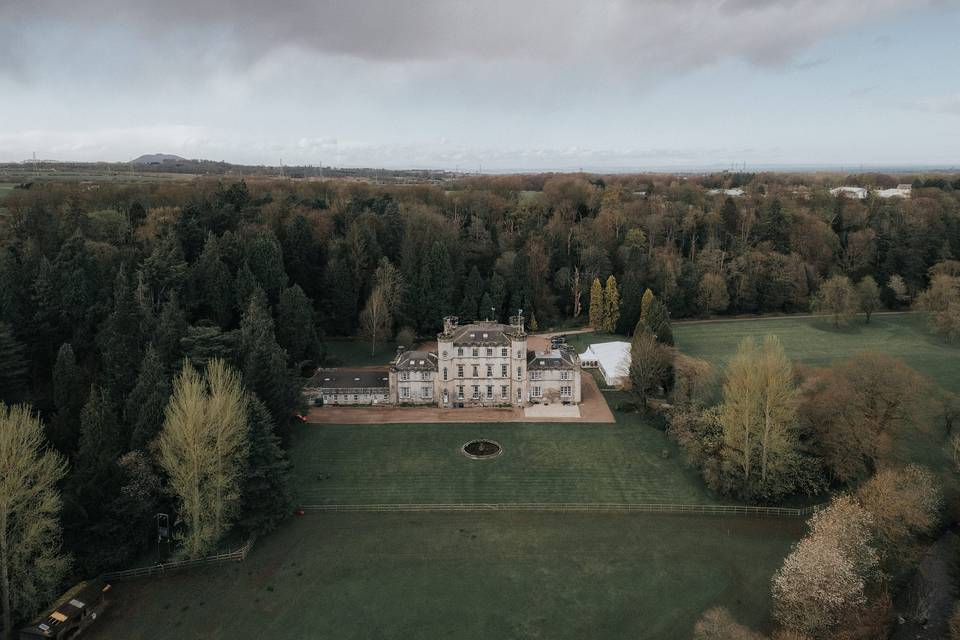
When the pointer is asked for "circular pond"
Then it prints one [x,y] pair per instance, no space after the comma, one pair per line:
[481,449]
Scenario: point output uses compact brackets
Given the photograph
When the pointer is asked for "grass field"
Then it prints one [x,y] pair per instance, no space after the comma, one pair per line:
[507,575]
[493,575]
[814,341]
[401,463]
[356,353]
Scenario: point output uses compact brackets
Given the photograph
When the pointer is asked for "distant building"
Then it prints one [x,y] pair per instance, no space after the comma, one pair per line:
[857,193]
[733,193]
[860,193]
[611,358]
[900,191]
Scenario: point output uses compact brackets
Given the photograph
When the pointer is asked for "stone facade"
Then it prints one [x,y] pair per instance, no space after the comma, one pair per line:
[484,364]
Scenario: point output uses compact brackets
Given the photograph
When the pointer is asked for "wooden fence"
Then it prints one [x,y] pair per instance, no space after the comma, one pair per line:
[613,507]
[237,555]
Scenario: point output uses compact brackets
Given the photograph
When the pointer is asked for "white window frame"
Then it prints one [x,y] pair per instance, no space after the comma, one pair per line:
[404,392]
[504,393]
[444,374]
[504,353]
[459,370]
[476,352]
[476,392]
[566,375]
[536,392]
[489,370]
[519,373]
[459,392]
[404,375]
[566,392]
[426,393]
[536,375]
[503,371]
[489,392]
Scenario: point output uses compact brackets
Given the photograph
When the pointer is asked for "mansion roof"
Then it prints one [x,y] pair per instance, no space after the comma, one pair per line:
[416,361]
[481,334]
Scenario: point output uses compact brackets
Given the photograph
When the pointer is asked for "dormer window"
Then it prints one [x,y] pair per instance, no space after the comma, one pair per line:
[485,336]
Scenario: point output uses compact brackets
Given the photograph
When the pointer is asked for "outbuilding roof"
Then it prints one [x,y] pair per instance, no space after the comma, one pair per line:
[348,379]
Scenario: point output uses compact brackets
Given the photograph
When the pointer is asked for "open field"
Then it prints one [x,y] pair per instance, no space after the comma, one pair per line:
[356,353]
[814,341]
[421,463]
[467,575]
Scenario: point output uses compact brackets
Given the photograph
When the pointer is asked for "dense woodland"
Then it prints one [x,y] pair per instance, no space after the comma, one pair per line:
[115,299]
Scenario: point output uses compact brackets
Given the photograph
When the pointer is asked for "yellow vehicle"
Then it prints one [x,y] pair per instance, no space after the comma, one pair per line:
[77,610]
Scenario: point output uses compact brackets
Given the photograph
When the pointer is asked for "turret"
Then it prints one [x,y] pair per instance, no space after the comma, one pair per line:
[517,323]
[449,324]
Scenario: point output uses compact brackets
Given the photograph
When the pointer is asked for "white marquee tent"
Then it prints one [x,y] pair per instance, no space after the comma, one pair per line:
[612,358]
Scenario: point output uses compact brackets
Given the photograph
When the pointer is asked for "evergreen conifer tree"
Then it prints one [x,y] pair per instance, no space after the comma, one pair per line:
[611,305]
[597,308]
[267,498]
[146,403]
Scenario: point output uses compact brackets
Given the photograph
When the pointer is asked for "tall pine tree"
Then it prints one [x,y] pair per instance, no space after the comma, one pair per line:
[145,404]
[119,339]
[267,497]
[597,308]
[13,366]
[611,305]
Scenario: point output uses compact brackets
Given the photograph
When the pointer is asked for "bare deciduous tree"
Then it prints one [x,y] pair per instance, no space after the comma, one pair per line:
[577,293]
[905,503]
[759,409]
[837,299]
[203,447]
[829,572]
[31,565]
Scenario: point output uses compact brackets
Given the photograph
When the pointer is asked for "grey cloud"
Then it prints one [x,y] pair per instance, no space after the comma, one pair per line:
[658,33]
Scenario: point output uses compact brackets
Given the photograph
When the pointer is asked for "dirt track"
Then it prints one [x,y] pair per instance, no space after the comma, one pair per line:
[593,408]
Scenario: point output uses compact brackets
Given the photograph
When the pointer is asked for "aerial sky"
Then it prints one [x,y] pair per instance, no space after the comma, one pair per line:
[492,85]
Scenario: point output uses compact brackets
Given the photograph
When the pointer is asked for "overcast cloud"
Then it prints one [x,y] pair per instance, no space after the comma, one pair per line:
[518,84]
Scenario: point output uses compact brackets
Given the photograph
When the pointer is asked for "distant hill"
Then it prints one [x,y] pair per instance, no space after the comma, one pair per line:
[157,158]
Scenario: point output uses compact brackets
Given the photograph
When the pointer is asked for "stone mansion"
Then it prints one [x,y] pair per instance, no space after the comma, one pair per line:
[483,363]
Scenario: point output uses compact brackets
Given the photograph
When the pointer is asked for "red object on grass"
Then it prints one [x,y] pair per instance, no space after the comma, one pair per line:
[298,511]
[300,417]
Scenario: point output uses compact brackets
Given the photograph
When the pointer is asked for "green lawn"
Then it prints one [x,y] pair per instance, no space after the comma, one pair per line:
[356,353]
[421,463]
[814,341]
[465,576]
